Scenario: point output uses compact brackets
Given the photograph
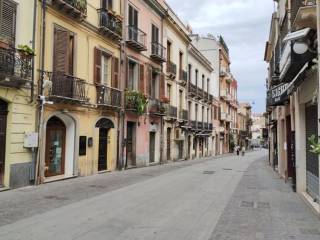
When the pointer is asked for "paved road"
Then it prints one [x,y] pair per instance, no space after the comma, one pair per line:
[225,198]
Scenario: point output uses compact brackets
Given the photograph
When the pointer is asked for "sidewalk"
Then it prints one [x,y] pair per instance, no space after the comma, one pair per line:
[264,207]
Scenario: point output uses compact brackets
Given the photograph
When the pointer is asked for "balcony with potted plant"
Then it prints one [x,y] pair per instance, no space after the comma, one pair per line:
[76,9]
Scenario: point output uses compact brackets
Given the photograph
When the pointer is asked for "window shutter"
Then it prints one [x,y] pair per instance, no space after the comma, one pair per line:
[141,78]
[149,79]
[60,58]
[115,72]
[162,85]
[8,20]
[97,66]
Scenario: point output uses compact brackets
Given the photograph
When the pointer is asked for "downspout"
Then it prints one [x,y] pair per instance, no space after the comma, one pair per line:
[318,39]
[41,98]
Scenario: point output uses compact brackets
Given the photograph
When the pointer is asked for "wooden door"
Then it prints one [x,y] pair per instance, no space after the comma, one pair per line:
[169,144]
[3,131]
[130,144]
[103,149]
[152,147]
[55,147]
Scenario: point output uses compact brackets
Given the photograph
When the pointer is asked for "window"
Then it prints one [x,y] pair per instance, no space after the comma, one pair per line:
[63,51]
[180,99]
[168,51]
[154,85]
[180,60]
[202,113]
[133,17]
[133,71]
[8,20]
[203,82]
[155,34]
[105,62]
[196,112]
[106,4]
[197,77]
[169,91]
[189,72]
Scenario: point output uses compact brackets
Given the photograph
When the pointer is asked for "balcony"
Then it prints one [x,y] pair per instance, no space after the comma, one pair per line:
[224,94]
[63,88]
[304,14]
[109,25]
[192,90]
[172,112]
[199,93]
[184,115]
[210,98]
[15,68]
[210,127]
[156,107]
[225,117]
[158,52]
[200,125]
[136,39]
[194,125]
[183,76]
[76,9]
[109,97]
[171,69]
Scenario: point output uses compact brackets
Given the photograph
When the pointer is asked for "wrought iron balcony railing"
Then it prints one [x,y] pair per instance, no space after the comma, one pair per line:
[200,125]
[109,24]
[192,89]
[194,124]
[172,111]
[158,52]
[184,114]
[136,38]
[156,107]
[107,96]
[73,8]
[15,67]
[61,87]
[210,126]
[171,68]
[183,75]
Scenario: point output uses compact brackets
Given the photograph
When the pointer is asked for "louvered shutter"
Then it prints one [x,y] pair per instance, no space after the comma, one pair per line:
[97,66]
[141,78]
[8,21]
[115,72]
[162,85]
[61,55]
[149,79]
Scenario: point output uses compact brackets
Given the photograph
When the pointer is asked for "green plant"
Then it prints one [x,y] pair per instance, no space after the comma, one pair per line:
[136,100]
[81,5]
[315,146]
[25,49]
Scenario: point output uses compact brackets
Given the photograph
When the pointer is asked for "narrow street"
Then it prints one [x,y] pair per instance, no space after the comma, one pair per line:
[230,197]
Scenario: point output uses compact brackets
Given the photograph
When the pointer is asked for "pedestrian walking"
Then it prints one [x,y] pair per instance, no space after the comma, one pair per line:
[238,150]
[243,150]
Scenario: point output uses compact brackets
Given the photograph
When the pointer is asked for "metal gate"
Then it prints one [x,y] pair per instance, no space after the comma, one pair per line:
[312,160]
[3,130]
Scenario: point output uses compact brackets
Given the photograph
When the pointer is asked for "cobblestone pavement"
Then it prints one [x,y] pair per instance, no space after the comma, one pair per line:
[264,207]
[211,199]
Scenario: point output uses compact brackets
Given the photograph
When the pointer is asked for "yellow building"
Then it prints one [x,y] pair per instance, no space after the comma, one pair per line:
[17,110]
[78,87]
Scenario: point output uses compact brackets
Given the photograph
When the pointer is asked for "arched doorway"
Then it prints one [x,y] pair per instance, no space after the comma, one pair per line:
[55,147]
[3,131]
[104,126]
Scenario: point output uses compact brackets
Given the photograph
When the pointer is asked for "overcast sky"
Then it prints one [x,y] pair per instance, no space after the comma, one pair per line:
[245,25]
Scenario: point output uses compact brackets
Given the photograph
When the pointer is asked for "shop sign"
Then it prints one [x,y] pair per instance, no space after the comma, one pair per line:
[278,95]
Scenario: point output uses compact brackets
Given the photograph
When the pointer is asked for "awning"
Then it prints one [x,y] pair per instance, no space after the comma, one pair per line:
[279,95]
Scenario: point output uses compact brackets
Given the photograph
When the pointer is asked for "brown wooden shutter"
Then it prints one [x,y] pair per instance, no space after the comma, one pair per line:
[97,66]
[8,20]
[141,78]
[61,56]
[149,79]
[115,72]
[162,85]
[126,72]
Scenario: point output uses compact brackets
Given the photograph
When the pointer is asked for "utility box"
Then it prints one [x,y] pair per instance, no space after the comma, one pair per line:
[31,140]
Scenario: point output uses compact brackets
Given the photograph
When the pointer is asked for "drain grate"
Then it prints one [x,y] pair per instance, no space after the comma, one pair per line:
[97,186]
[310,231]
[247,204]
[208,172]
[56,198]
[264,205]
[227,169]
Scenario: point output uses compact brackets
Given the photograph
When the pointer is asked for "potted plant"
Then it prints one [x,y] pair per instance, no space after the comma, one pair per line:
[25,51]
[164,99]
[136,101]
[315,146]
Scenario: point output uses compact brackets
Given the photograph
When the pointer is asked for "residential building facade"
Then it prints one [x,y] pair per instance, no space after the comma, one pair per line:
[292,98]
[17,105]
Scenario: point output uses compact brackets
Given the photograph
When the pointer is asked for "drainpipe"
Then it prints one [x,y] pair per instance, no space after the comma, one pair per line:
[42,100]
[318,39]
[33,47]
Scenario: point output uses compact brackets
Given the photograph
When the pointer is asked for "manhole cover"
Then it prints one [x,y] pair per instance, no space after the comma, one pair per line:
[247,204]
[208,172]
[55,198]
[310,231]
[263,205]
